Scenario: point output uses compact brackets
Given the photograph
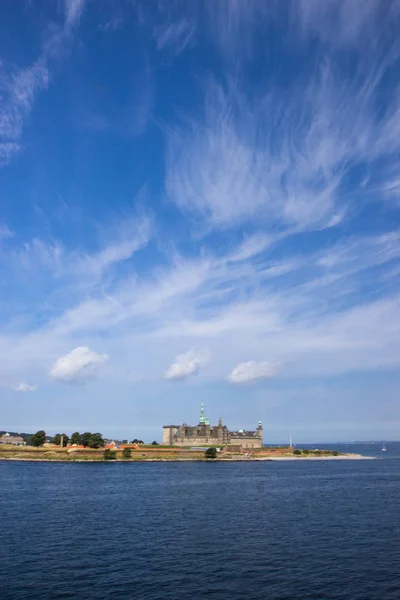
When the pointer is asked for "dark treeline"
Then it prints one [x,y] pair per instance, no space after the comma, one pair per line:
[86,439]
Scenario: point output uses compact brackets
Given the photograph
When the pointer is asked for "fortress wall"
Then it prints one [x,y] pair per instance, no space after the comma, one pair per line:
[202,441]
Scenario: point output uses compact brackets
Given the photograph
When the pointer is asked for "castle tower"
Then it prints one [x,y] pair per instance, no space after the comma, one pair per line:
[202,415]
[220,432]
[260,430]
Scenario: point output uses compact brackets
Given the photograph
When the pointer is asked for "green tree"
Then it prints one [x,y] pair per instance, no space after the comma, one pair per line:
[154,443]
[127,453]
[38,438]
[96,440]
[210,453]
[124,442]
[297,452]
[76,438]
[85,438]
[109,454]
[57,439]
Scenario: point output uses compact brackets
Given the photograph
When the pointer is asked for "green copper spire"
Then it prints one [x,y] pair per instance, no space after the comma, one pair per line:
[202,417]
[207,420]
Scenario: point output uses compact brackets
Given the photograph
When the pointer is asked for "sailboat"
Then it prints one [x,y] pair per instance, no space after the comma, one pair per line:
[383,448]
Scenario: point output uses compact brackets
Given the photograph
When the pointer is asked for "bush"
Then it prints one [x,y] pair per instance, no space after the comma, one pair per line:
[306,452]
[297,452]
[126,453]
[335,453]
[210,453]
[109,454]
[154,443]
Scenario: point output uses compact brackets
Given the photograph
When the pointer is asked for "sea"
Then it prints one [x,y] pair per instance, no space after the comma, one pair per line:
[296,530]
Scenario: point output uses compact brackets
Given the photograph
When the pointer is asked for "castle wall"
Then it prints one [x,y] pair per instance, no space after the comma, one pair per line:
[168,435]
[204,434]
[169,439]
[248,442]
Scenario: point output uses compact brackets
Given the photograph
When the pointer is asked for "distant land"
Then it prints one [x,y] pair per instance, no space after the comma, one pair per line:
[26,436]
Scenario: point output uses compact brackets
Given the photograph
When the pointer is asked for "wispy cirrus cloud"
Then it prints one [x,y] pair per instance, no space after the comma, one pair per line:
[175,36]
[73,11]
[19,87]
[276,163]
[5,232]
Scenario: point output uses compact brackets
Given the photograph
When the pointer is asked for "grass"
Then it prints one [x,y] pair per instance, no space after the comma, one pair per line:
[143,453]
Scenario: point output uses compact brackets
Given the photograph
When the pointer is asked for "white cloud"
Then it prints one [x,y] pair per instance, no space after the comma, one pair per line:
[24,387]
[187,364]
[252,371]
[78,366]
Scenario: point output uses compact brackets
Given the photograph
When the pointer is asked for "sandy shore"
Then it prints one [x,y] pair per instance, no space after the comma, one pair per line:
[340,457]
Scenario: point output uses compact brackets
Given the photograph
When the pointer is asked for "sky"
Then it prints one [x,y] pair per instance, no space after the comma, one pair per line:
[200,202]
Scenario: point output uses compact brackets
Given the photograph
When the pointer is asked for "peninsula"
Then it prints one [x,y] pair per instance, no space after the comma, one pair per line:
[161,453]
[201,442]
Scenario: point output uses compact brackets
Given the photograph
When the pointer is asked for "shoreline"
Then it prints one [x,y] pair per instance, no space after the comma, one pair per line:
[225,460]
[343,457]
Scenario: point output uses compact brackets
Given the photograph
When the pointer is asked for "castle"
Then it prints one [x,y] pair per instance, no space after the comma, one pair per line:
[206,434]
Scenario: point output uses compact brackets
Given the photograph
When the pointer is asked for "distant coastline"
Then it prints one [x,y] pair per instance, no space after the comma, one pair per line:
[146,453]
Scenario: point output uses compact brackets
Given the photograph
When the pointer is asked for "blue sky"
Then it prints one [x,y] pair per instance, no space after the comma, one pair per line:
[199,201]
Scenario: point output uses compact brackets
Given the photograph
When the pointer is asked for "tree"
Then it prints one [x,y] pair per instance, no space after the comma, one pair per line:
[109,454]
[38,438]
[57,439]
[211,453]
[96,440]
[154,443]
[124,442]
[136,441]
[297,452]
[85,438]
[76,438]
[127,453]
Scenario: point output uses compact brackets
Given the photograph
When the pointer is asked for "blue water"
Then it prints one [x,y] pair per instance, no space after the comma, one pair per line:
[266,530]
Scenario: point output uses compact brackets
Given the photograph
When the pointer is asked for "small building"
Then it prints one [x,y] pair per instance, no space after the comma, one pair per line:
[15,440]
[111,445]
[205,434]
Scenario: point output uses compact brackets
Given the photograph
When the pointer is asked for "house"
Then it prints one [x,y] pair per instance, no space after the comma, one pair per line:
[15,440]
